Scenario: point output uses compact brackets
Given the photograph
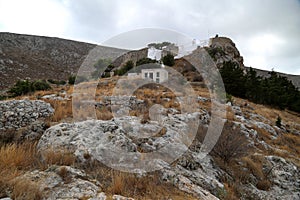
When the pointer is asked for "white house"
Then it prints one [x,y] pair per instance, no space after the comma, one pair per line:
[154,72]
[158,75]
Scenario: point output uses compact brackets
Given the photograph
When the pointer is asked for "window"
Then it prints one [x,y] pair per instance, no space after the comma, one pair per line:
[146,75]
[157,80]
[157,74]
[151,75]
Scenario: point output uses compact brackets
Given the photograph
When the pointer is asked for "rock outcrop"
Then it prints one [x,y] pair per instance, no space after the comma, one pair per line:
[61,182]
[119,143]
[285,179]
[223,49]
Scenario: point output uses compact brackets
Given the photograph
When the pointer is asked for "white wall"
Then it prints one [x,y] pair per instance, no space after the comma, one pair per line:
[163,74]
[154,54]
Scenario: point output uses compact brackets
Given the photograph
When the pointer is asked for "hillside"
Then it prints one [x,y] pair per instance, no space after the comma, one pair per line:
[38,57]
[86,142]
[256,158]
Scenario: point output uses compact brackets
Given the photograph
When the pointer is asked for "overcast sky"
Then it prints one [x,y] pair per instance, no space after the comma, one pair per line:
[267,32]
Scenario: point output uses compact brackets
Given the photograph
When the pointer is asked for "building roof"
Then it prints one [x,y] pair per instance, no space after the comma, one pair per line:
[138,69]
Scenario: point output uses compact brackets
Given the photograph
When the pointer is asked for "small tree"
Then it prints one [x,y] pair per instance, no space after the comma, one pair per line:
[168,60]
[102,66]
[278,122]
[128,66]
[231,144]
[40,85]
[72,80]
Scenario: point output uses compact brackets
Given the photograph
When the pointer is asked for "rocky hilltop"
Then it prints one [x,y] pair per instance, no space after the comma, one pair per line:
[223,49]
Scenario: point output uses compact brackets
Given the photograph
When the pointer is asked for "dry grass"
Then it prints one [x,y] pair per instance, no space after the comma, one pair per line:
[289,142]
[263,134]
[231,192]
[63,109]
[131,185]
[16,159]
[229,114]
[58,157]
[254,165]
[148,187]
[264,185]
[64,174]
[104,114]
[14,156]
[26,190]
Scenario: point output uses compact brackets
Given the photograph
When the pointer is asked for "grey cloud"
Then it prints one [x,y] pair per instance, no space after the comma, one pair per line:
[240,20]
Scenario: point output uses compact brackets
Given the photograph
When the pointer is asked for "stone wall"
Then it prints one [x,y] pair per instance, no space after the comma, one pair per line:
[20,113]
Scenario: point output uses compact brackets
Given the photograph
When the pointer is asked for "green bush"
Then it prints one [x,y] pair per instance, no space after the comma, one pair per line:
[102,66]
[71,80]
[2,97]
[77,79]
[229,98]
[105,75]
[144,61]
[40,85]
[25,86]
[278,122]
[57,82]
[168,60]
[123,70]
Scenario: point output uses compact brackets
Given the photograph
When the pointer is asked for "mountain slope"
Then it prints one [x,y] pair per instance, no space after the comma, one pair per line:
[38,57]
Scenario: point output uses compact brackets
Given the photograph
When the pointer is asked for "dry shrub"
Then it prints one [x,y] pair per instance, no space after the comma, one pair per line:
[289,142]
[254,166]
[231,144]
[26,190]
[64,174]
[6,176]
[232,191]
[161,132]
[264,185]
[104,114]
[145,118]
[7,136]
[229,114]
